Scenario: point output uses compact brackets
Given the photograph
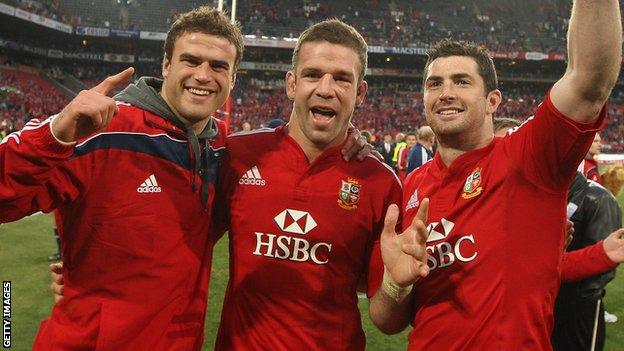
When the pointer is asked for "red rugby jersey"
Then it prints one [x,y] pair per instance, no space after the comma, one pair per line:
[301,239]
[496,220]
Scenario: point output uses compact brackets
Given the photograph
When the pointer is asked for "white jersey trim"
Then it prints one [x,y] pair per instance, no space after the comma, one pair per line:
[129,133]
[30,125]
[252,132]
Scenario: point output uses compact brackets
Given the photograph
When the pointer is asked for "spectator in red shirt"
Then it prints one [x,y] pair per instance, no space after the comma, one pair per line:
[590,164]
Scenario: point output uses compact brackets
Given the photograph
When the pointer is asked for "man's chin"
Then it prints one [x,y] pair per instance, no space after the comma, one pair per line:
[195,116]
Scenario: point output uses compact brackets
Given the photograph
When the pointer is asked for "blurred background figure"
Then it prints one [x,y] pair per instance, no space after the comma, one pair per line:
[590,164]
[385,148]
[423,150]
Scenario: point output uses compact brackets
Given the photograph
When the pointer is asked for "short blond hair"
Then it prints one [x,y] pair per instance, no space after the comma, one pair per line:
[613,179]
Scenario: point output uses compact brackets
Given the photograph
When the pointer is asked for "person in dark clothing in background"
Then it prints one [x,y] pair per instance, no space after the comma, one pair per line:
[579,313]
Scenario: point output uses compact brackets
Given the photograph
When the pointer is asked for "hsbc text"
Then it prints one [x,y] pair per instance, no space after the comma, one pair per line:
[291,248]
[445,254]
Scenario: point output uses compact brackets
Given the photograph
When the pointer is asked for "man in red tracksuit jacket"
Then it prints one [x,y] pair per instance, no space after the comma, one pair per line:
[134,192]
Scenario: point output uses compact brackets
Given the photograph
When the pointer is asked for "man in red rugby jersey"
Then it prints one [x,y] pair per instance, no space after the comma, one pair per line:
[304,224]
[497,205]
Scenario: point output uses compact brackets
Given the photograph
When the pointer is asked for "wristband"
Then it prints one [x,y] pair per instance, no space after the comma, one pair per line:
[391,288]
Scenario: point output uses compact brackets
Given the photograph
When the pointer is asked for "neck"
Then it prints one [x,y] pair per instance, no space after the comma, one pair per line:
[196,126]
[310,149]
[449,151]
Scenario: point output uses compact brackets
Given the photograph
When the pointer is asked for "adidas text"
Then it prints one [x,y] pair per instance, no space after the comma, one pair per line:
[149,189]
[248,181]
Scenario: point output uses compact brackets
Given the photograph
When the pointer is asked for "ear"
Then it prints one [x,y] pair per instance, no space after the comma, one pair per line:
[233,81]
[361,92]
[493,99]
[291,83]
[165,67]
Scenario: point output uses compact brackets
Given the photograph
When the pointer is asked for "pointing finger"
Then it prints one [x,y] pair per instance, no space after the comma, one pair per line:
[111,82]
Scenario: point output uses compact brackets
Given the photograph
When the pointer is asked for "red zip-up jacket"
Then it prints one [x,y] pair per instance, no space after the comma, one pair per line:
[135,242]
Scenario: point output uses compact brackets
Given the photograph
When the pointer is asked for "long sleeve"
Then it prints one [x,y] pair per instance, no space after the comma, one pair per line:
[584,263]
[28,160]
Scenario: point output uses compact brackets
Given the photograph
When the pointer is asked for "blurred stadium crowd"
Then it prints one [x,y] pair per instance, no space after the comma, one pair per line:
[500,25]
[29,85]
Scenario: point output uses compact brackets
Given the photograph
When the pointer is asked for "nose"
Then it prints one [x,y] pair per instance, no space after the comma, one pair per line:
[447,93]
[325,87]
[202,73]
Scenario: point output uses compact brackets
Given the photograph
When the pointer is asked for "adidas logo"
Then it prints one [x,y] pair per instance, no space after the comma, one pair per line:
[149,185]
[413,201]
[252,177]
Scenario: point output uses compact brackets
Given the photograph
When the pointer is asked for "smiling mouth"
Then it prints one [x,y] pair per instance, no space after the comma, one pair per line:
[199,92]
[449,112]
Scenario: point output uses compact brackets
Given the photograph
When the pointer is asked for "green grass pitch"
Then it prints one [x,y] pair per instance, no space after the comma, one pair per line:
[26,244]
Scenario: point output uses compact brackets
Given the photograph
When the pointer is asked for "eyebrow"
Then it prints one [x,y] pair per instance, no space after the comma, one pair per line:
[454,76]
[339,73]
[189,56]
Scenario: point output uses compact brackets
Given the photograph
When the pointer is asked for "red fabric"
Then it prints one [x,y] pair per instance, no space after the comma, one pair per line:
[590,170]
[586,262]
[136,264]
[402,163]
[495,244]
[297,290]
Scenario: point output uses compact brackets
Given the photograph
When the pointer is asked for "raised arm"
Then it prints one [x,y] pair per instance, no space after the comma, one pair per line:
[594,58]
[29,158]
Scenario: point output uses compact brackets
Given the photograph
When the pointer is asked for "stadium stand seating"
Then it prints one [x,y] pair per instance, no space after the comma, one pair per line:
[393,104]
[24,96]
[400,22]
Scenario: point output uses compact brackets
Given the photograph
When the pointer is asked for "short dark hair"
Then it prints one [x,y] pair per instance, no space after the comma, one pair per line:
[207,20]
[336,32]
[449,47]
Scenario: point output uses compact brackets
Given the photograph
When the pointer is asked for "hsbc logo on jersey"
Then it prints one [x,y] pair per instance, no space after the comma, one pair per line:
[446,253]
[294,221]
[292,248]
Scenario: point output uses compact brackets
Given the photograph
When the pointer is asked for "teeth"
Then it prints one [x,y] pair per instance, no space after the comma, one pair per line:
[448,112]
[199,92]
